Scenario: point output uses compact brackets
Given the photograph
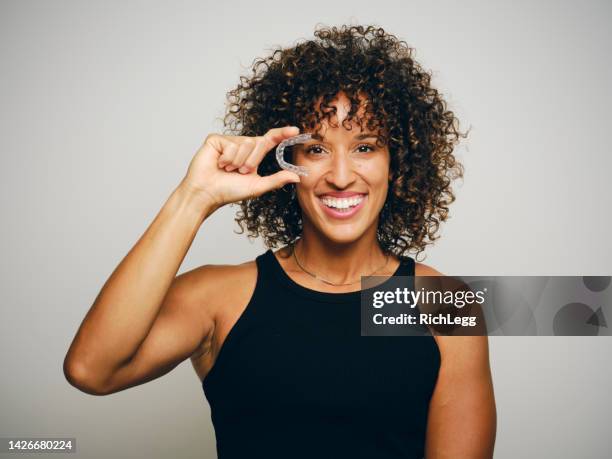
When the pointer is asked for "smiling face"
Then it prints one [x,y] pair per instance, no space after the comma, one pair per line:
[347,181]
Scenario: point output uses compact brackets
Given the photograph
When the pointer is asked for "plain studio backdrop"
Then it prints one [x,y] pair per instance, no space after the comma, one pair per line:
[103,105]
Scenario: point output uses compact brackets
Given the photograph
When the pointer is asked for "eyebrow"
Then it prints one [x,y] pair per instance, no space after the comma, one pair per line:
[366,135]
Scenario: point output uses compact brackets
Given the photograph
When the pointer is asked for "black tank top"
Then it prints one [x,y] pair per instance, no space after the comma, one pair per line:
[295,378]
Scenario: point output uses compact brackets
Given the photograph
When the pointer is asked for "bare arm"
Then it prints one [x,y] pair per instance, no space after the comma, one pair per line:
[145,320]
[462,418]
[143,298]
[462,414]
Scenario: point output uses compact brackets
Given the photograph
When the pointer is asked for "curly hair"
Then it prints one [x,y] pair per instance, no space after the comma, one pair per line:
[409,115]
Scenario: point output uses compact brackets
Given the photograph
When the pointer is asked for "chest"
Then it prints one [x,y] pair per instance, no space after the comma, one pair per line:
[314,361]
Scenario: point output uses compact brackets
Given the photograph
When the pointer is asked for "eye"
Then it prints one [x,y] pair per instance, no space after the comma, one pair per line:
[312,149]
[365,145]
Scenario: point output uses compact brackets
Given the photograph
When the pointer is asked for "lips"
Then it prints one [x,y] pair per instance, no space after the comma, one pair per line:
[342,203]
[344,206]
[341,194]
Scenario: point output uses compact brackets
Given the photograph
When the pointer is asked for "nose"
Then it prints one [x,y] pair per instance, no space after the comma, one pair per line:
[341,173]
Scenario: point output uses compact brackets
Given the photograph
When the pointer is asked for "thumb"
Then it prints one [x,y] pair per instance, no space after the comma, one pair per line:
[274,181]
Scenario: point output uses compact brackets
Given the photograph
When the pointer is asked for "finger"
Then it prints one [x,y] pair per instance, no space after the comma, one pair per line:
[245,149]
[267,142]
[277,135]
[229,150]
[274,181]
[255,156]
[221,144]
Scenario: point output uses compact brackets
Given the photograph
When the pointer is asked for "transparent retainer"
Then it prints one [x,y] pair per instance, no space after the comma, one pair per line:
[280,151]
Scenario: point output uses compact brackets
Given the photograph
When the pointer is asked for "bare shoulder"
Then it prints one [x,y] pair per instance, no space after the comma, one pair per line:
[421,269]
[458,350]
[219,285]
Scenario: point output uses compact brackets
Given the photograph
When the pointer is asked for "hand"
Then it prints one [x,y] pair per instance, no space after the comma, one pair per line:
[224,169]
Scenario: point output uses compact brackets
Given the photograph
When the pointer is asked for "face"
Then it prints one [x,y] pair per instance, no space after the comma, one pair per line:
[347,181]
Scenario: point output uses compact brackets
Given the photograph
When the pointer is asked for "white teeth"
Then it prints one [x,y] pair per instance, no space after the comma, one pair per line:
[343,203]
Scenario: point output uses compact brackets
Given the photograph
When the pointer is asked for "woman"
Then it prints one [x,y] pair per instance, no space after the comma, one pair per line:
[275,340]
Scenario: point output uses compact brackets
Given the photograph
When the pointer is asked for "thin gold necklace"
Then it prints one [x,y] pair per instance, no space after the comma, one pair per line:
[329,282]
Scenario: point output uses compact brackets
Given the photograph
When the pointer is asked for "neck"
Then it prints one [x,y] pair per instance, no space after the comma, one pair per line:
[341,262]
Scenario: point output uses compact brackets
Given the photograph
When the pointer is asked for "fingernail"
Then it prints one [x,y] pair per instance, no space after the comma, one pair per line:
[243,170]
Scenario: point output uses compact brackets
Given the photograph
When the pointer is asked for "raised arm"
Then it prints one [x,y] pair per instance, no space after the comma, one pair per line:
[146,320]
[142,302]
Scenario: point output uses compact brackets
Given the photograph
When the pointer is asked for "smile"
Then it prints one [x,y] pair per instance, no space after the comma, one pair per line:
[342,207]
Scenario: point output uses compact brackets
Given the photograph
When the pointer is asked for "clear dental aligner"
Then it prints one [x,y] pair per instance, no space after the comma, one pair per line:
[280,150]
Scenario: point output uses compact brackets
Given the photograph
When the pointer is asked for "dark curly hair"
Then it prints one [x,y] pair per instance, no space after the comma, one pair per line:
[408,114]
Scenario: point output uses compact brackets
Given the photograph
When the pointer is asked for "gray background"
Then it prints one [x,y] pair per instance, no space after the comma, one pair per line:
[105,103]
